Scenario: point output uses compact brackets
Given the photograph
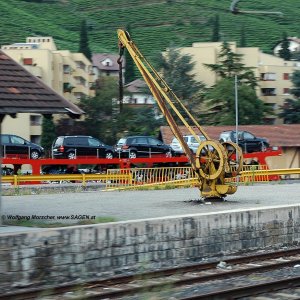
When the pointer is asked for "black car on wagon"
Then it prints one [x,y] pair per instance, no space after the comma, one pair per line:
[247,141]
[142,146]
[72,147]
[17,147]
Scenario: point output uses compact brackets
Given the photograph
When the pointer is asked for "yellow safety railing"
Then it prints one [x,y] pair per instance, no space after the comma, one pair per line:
[250,174]
[146,177]
[83,178]
[184,176]
[142,177]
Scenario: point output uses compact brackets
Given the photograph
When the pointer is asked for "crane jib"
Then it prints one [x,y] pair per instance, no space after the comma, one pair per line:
[214,162]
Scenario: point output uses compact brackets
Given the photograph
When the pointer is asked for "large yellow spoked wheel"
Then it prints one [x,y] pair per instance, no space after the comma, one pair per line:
[234,158]
[210,159]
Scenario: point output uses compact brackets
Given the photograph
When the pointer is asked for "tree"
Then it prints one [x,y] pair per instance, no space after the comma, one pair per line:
[290,110]
[129,66]
[84,42]
[220,100]
[231,65]
[296,84]
[177,70]
[138,121]
[221,104]
[216,30]
[103,119]
[48,132]
[243,42]
[285,51]
[99,110]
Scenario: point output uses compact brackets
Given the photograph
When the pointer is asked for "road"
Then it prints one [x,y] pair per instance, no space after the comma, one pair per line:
[132,205]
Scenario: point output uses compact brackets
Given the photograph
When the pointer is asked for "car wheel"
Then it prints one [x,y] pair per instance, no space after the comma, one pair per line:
[71,155]
[169,154]
[109,155]
[132,154]
[34,154]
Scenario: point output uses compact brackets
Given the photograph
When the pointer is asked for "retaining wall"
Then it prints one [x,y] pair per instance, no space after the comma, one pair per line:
[81,252]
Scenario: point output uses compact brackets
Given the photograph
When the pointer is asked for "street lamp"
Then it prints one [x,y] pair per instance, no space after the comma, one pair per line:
[237,158]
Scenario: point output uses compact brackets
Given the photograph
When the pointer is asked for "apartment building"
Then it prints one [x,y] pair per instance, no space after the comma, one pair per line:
[69,74]
[273,73]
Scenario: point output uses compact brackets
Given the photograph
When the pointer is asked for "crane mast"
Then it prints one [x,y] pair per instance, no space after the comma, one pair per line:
[213,162]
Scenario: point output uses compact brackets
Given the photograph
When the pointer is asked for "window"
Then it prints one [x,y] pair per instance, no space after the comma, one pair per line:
[286,76]
[94,142]
[248,136]
[17,140]
[35,120]
[154,142]
[141,140]
[5,139]
[27,61]
[268,76]
[286,90]
[268,92]
[67,69]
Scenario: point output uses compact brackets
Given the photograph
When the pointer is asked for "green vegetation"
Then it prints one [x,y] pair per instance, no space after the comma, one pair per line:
[220,101]
[48,130]
[290,111]
[155,24]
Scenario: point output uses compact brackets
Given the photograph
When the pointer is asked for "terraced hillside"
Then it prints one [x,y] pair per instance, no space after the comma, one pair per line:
[155,24]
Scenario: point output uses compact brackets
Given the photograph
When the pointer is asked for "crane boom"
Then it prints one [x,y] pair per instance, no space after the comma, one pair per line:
[213,161]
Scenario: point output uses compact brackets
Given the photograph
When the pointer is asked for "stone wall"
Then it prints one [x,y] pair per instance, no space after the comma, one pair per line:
[81,252]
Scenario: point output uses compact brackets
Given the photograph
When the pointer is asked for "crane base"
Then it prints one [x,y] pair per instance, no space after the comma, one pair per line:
[219,191]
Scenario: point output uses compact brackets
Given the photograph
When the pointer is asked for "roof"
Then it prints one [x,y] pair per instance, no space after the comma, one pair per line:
[22,92]
[98,58]
[286,135]
[136,86]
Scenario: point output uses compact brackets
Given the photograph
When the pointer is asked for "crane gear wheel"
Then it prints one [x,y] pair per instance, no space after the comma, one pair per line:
[234,158]
[210,159]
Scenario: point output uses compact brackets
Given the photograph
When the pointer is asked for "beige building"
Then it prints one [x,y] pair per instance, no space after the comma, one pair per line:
[69,74]
[272,72]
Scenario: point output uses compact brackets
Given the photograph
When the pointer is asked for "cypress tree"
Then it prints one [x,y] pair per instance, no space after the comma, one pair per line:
[243,42]
[285,52]
[84,41]
[48,132]
[129,67]
[216,30]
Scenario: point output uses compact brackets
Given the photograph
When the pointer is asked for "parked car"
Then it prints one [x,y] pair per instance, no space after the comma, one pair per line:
[246,140]
[80,145]
[16,146]
[191,142]
[142,146]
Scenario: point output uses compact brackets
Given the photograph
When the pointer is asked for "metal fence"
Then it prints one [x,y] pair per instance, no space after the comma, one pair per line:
[145,177]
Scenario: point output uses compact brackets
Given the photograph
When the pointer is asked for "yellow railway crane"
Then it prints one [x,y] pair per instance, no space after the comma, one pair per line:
[213,162]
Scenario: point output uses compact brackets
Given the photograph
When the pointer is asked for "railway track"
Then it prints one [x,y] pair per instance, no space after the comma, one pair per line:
[235,278]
